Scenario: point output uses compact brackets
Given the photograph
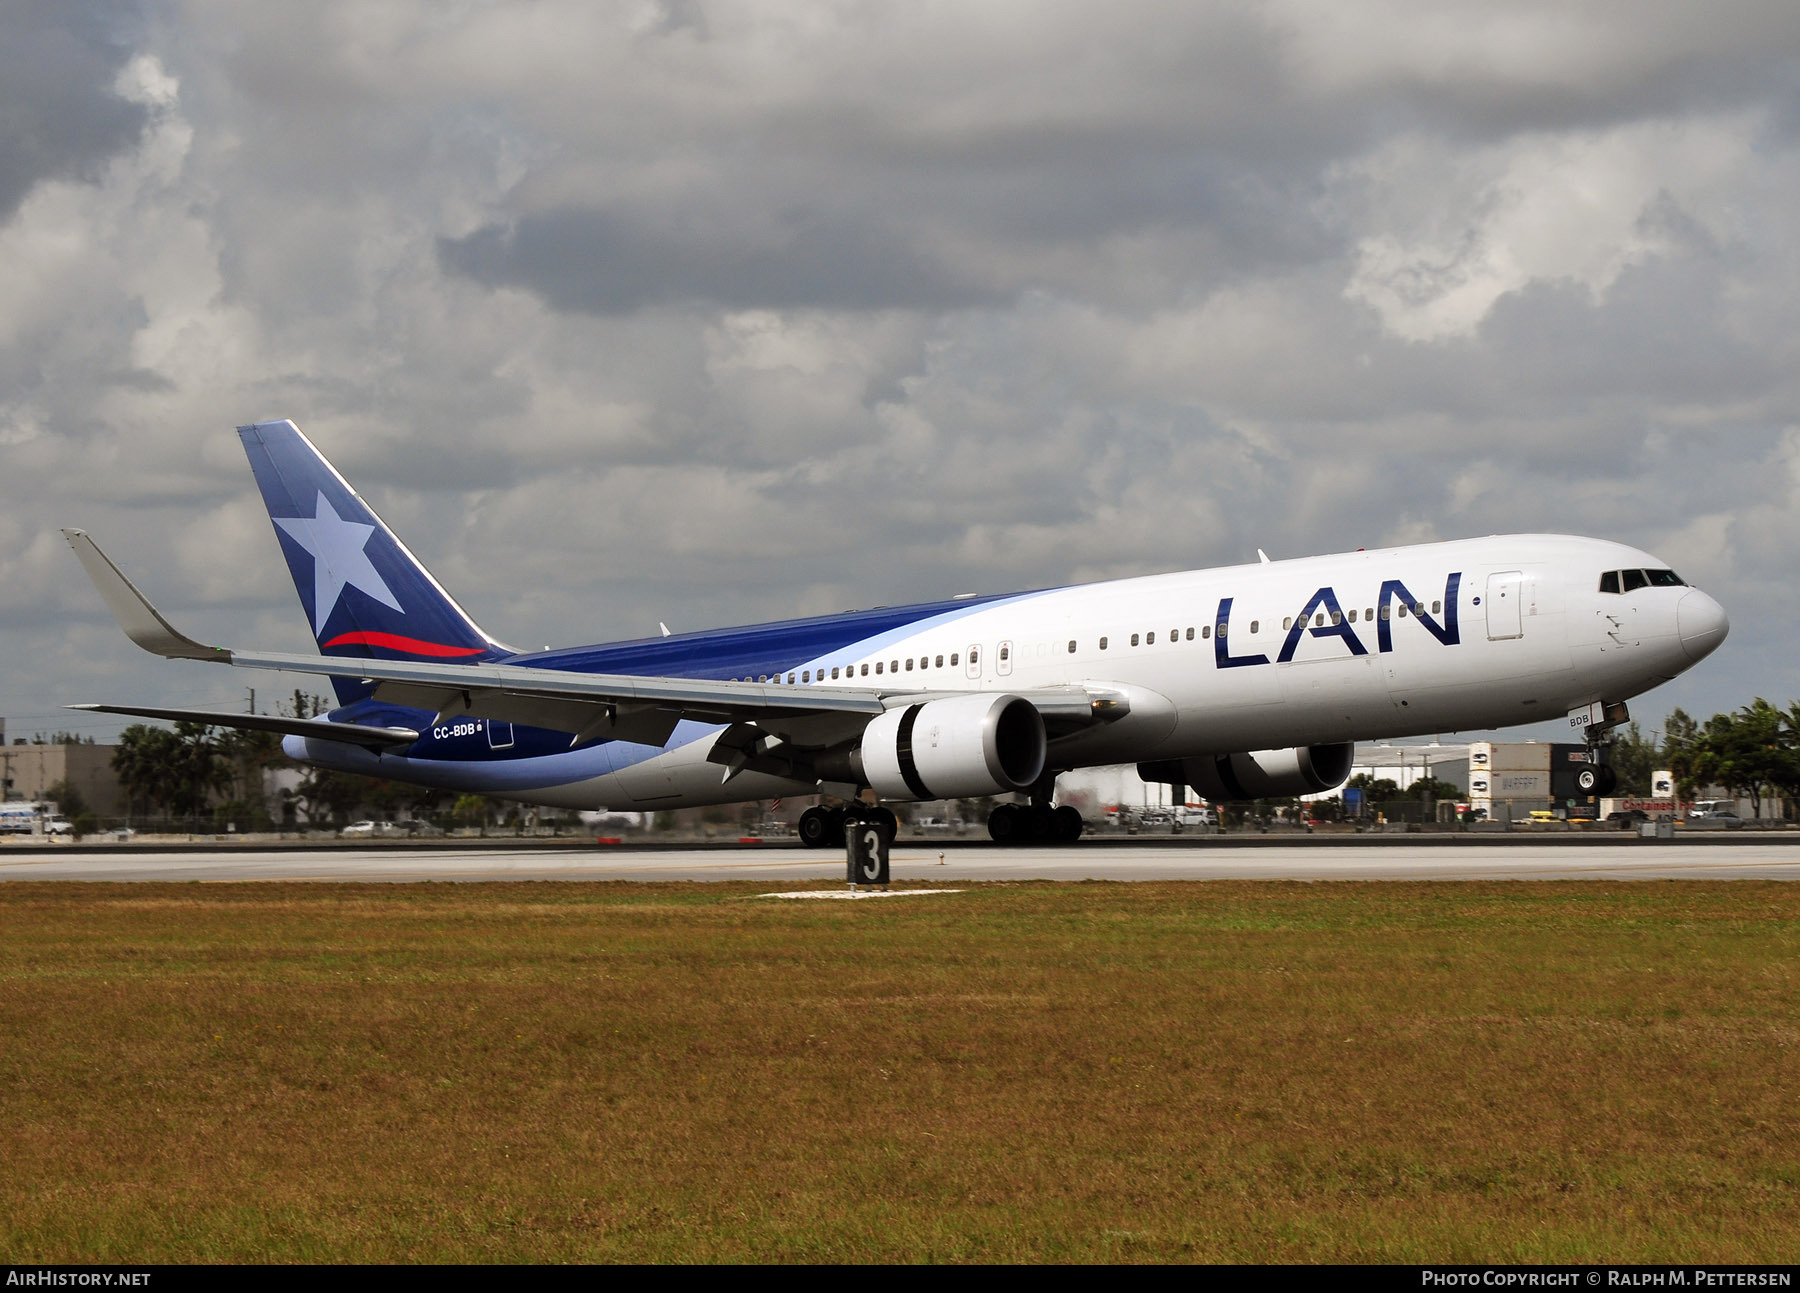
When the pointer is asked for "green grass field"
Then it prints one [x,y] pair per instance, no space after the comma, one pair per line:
[1205,1071]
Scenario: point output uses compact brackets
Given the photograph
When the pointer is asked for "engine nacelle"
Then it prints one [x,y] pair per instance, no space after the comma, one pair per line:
[1270,774]
[957,748]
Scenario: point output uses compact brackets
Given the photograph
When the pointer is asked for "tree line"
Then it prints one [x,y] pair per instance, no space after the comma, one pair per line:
[1753,752]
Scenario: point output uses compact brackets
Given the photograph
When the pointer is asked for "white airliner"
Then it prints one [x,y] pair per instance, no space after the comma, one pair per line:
[1241,682]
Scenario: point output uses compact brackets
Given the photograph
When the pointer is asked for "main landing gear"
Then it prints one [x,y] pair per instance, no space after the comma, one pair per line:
[822,828]
[1036,822]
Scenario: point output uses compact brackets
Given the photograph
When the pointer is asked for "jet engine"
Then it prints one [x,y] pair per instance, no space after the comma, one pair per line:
[956,748]
[1270,774]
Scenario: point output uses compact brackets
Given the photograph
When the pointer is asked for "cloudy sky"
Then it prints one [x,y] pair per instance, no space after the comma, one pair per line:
[709,313]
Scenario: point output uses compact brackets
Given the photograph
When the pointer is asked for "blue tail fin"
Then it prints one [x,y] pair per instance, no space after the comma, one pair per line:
[365,593]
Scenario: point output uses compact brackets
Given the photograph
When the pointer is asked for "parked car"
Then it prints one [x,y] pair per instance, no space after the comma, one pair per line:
[58,826]
[369,830]
[416,826]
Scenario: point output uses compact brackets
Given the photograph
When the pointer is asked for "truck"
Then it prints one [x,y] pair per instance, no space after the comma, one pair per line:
[33,817]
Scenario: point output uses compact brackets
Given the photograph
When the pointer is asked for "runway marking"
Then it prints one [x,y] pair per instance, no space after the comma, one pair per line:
[855,896]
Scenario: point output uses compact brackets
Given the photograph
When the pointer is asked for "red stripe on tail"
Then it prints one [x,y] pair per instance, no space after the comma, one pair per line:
[394,642]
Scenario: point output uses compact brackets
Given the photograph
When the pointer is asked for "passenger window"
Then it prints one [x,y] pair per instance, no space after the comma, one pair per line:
[1255,625]
[790,680]
[1223,625]
[1149,639]
[1287,623]
[1634,580]
[1319,620]
[1609,582]
[1369,613]
[1103,644]
[1353,614]
[940,662]
[893,666]
[1071,646]
[1418,608]
[1174,635]
[1190,634]
[806,675]
[865,671]
[1205,631]
[1337,617]
[834,673]
[1005,654]
[953,657]
[762,677]
[1387,612]
[1436,607]
[909,662]
[1134,639]
[1402,610]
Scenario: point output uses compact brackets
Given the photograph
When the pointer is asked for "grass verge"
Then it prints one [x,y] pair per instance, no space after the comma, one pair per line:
[1208,1071]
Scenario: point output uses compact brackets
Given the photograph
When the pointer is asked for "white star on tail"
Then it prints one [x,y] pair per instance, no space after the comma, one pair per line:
[338,559]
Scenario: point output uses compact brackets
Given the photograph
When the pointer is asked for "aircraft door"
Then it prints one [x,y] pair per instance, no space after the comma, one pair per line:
[1505,590]
[500,735]
[1003,661]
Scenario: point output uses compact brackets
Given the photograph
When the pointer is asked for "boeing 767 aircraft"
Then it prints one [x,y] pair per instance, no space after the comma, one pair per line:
[1241,682]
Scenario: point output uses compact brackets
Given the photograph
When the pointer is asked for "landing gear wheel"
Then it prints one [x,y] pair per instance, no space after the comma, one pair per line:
[815,828]
[1005,825]
[885,821]
[1037,822]
[1600,780]
[1066,824]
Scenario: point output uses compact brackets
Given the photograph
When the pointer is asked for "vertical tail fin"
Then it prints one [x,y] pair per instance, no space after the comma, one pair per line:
[365,594]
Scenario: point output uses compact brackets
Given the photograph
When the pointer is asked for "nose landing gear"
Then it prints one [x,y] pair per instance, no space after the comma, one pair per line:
[1600,722]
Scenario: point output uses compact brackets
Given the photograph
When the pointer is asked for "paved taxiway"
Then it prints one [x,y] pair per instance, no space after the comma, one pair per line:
[1399,859]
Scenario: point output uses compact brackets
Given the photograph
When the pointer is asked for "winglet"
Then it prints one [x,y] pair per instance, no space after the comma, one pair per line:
[142,623]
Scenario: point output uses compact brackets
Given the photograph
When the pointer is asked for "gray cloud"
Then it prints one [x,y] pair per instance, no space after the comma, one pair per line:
[595,261]
[59,116]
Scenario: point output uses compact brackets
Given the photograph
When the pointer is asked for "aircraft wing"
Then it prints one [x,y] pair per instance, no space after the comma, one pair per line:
[592,706]
[375,738]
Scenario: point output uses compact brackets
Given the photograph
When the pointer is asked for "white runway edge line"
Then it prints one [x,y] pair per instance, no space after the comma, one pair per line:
[864,893]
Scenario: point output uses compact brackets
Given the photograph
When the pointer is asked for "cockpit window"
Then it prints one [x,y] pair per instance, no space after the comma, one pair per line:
[1617,581]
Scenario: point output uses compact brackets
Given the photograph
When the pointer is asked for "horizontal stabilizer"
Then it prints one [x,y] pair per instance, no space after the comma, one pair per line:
[140,620]
[318,729]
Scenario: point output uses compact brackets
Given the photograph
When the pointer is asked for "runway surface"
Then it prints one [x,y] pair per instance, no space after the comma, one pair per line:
[1626,859]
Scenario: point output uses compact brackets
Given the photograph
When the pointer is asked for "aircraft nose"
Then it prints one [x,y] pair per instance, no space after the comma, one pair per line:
[1702,624]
